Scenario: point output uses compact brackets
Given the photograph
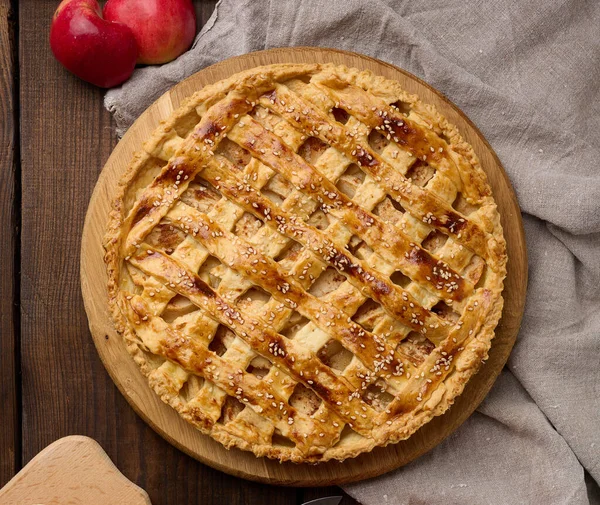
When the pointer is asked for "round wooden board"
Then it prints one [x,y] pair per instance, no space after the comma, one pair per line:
[163,418]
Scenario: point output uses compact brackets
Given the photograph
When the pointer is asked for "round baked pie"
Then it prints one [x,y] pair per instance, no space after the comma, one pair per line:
[306,262]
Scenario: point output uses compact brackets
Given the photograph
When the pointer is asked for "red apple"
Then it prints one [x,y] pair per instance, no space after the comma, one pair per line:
[163,29]
[98,51]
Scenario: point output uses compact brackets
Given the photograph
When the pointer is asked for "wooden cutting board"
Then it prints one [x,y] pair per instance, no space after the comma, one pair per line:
[71,471]
[164,419]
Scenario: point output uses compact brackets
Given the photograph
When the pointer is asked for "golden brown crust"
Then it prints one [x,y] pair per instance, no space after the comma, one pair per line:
[365,224]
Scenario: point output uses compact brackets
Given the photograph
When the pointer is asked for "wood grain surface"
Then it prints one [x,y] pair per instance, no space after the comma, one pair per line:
[72,470]
[164,419]
[65,137]
[9,446]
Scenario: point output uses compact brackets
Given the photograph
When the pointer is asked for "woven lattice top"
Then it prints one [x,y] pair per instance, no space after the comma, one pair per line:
[306,262]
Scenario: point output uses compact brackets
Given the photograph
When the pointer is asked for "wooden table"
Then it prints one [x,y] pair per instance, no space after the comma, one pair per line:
[55,136]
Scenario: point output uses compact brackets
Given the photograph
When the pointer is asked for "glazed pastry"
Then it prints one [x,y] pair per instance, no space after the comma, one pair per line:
[306,262]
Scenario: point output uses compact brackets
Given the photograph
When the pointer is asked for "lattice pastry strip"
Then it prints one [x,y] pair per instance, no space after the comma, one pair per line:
[228,213]
[197,359]
[441,186]
[369,227]
[193,256]
[184,213]
[242,257]
[367,194]
[253,331]
[212,390]
[356,270]
[423,204]
[190,253]
[418,230]
[232,278]
[175,217]
[188,224]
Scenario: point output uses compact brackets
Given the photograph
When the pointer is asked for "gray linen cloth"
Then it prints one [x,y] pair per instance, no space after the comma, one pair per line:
[527,73]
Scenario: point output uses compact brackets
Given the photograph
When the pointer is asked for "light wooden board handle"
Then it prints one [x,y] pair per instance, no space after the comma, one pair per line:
[73,470]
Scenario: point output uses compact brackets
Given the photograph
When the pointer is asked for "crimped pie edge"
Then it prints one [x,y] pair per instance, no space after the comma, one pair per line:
[476,350]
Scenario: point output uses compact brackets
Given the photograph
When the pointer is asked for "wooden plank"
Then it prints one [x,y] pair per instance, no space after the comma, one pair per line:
[204,9]
[64,135]
[9,432]
[66,138]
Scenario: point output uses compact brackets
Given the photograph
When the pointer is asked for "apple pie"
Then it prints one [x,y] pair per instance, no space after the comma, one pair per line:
[306,262]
